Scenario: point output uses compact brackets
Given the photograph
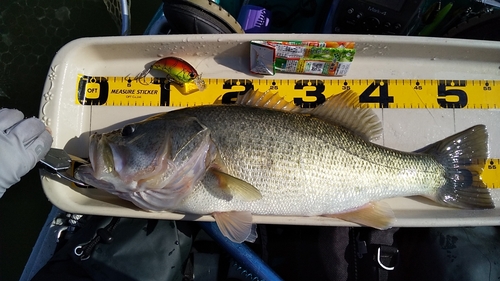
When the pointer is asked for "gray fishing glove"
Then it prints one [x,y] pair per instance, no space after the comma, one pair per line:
[23,142]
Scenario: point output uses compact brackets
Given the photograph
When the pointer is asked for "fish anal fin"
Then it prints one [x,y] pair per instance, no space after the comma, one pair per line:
[234,186]
[236,226]
[344,109]
[378,215]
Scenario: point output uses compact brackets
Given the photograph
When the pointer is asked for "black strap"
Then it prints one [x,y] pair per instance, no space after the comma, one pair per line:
[385,255]
[387,258]
[375,254]
[102,235]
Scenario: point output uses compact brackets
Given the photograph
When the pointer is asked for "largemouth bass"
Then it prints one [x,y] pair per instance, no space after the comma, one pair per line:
[266,156]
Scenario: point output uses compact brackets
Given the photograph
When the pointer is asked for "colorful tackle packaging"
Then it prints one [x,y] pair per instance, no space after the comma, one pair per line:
[311,57]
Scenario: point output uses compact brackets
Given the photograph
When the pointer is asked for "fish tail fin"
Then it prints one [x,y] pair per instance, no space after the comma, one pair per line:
[460,154]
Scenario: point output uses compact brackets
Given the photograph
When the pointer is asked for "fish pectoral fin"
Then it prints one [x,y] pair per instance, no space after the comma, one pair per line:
[378,215]
[234,186]
[236,226]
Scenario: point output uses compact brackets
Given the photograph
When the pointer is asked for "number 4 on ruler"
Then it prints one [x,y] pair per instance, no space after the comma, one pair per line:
[383,99]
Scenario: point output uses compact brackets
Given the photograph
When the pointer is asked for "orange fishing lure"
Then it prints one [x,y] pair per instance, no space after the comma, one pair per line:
[179,71]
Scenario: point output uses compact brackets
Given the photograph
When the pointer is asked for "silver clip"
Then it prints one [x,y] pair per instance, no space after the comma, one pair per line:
[57,161]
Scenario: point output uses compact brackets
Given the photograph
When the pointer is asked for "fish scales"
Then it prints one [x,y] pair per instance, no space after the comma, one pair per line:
[304,165]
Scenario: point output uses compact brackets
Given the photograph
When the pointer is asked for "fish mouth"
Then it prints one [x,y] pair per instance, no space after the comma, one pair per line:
[100,146]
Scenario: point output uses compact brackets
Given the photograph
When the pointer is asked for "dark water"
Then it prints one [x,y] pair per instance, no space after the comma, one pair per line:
[31,32]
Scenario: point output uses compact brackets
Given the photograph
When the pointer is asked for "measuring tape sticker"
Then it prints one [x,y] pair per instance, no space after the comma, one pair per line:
[491,173]
[402,94]
[151,91]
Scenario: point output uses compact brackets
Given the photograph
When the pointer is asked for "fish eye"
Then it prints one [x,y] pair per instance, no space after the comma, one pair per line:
[128,130]
[192,75]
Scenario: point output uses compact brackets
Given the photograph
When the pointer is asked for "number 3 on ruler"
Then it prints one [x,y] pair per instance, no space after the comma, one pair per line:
[383,99]
[319,88]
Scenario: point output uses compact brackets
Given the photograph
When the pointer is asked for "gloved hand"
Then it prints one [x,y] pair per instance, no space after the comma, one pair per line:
[23,142]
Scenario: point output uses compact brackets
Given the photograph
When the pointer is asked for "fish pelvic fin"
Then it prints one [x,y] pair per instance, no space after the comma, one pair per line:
[234,186]
[236,226]
[378,215]
[460,154]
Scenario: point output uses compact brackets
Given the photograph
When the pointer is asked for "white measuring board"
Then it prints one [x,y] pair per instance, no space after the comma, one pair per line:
[225,57]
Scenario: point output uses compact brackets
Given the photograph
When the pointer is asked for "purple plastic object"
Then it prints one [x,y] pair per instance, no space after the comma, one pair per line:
[254,19]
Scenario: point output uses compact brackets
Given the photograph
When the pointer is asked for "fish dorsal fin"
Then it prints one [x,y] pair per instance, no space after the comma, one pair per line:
[345,110]
[266,100]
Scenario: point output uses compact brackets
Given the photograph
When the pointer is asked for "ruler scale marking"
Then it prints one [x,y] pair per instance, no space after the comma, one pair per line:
[448,94]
